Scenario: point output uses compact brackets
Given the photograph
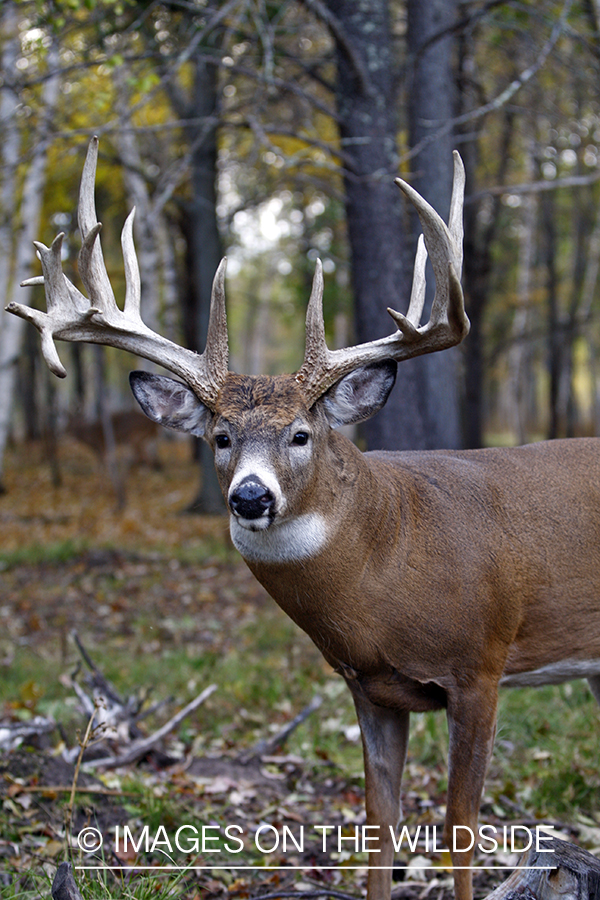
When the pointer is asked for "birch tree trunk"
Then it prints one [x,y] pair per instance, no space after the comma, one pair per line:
[20,219]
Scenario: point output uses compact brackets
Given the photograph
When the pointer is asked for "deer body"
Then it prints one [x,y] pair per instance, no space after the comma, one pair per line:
[458,568]
[425,579]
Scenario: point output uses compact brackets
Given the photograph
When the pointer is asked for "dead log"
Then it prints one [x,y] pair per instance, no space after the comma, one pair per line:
[566,873]
[64,886]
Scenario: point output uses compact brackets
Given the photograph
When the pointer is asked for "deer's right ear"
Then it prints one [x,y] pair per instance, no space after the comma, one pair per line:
[170,402]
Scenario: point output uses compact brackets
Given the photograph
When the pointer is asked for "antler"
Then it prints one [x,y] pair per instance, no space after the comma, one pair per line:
[72,317]
[448,323]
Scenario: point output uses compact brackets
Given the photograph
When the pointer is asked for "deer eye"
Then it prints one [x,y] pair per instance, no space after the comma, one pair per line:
[300,438]
[222,441]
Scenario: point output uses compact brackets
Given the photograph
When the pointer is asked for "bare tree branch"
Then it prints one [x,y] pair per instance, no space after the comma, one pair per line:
[538,187]
[338,33]
[502,98]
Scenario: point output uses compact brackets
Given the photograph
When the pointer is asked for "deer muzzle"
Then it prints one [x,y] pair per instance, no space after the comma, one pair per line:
[252,500]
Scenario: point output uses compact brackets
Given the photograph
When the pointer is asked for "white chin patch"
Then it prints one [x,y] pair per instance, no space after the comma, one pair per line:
[252,524]
[288,541]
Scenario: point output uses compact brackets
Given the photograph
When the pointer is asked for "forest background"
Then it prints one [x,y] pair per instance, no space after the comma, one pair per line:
[272,132]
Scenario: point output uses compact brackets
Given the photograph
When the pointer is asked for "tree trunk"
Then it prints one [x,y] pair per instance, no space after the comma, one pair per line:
[145,223]
[569,413]
[549,250]
[27,390]
[590,278]
[204,248]
[17,234]
[423,410]
[103,415]
[480,234]
[366,101]
[50,428]
[520,351]
[432,101]
[556,871]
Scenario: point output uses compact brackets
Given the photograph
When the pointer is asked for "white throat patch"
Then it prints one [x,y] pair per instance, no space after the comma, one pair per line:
[290,541]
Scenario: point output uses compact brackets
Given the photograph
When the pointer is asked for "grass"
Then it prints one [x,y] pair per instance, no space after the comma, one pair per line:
[100,886]
[547,745]
[545,755]
[38,554]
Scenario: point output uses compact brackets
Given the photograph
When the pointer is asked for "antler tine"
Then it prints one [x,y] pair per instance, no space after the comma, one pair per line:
[316,346]
[444,246]
[417,294]
[455,219]
[448,323]
[216,353]
[133,283]
[91,261]
[71,316]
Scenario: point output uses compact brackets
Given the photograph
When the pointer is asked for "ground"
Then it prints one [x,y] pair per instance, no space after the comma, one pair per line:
[165,606]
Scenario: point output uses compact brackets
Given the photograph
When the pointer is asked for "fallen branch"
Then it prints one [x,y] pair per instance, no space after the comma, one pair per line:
[119,716]
[141,747]
[99,679]
[12,734]
[117,709]
[267,746]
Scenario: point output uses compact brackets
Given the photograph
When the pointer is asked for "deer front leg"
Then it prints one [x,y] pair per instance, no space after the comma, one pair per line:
[384,738]
[471,727]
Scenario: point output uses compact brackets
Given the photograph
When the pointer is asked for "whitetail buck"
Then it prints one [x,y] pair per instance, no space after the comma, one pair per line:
[426,579]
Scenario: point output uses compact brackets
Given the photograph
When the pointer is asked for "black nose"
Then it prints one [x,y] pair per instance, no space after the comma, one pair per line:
[251,500]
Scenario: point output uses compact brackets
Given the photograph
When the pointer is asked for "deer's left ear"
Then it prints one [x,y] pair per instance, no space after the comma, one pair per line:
[359,395]
[170,403]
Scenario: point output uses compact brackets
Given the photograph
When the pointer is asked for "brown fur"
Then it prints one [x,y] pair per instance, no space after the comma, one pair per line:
[444,572]
[273,400]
